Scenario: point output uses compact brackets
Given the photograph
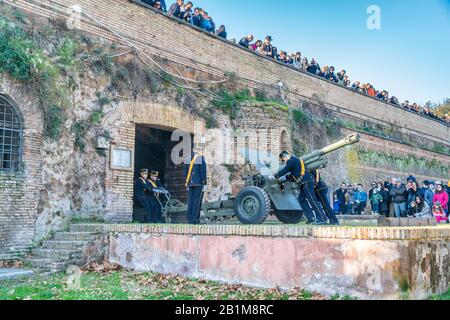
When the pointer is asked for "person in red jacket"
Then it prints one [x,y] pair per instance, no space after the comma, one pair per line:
[439,213]
[441,196]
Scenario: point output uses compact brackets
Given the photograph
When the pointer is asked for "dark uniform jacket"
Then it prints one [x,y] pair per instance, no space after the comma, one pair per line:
[199,176]
[319,183]
[293,166]
[143,187]
[155,185]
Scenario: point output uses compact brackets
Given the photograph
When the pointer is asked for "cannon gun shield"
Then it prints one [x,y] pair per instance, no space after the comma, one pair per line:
[263,196]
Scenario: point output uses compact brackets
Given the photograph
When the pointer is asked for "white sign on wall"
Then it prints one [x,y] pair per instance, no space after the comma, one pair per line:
[121,159]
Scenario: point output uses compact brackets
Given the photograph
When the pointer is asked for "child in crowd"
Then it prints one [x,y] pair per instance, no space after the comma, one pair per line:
[375,200]
[336,204]
[439,213]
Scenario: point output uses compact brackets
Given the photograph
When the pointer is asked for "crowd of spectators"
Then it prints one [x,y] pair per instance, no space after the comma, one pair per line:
[186,11]
[329,73]
[396,199]
[200,18]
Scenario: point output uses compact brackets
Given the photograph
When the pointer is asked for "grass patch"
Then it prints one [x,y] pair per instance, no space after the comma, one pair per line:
[443,297]
[127,285]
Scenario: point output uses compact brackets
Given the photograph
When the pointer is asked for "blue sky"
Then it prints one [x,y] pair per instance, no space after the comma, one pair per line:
[409,56]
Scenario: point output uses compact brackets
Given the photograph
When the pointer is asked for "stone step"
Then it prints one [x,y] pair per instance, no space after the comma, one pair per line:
[49,264]
[77,236]
[90,228]
[64,245]
[56,254]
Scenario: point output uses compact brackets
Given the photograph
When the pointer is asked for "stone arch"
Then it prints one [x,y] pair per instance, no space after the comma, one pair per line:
[123,120]
[157,114]
[284,140]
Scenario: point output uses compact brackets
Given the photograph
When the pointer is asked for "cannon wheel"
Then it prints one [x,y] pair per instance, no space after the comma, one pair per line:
[252,205]
[289,217]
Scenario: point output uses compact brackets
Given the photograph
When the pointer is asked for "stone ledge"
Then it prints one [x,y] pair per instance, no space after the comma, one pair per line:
[282,231]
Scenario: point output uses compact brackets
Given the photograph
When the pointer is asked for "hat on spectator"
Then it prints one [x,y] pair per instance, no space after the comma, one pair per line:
[448,184]
[411,178]
[144,171]
[269,38]
[438,183]
[432,183]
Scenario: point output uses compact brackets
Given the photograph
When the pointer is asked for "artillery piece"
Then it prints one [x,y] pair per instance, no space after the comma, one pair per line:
[263,196]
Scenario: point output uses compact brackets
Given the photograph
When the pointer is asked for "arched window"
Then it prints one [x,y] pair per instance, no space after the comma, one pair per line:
[284,143]
[10,136]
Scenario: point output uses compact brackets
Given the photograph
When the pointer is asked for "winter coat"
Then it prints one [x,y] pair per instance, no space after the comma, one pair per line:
[424,212]
[399,194]
[441,197]
[412,196]
[175,10]
[360,196]
[341,195]
[376,198]
[384,207]
[208,25]
[429,195]
[196,20]
[313,68]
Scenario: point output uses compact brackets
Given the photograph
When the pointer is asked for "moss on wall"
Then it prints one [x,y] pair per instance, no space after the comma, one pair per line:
[403,163]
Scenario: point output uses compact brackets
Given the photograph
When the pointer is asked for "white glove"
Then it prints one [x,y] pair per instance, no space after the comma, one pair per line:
[205,188]
[271,177]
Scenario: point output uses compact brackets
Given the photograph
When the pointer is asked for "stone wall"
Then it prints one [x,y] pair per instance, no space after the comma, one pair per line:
[20,192]
[366,263]
[59,181]
[164,37]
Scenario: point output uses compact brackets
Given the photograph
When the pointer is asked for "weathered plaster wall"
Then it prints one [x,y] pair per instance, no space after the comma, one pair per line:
[368,263]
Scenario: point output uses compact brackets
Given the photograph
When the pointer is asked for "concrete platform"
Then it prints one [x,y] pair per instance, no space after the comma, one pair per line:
[8,274]
[363,262]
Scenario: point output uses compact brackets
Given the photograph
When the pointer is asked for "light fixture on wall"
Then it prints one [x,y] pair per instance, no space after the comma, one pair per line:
[280,84]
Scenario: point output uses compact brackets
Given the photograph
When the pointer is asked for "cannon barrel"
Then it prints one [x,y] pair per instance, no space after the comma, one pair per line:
[315,159]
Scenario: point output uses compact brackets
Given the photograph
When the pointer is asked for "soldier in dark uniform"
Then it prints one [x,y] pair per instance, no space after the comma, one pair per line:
[306,198]
[156,189]
[143,188]
[321,191]
[196,182]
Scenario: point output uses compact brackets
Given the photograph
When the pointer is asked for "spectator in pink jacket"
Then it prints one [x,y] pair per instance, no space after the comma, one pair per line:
[441,196]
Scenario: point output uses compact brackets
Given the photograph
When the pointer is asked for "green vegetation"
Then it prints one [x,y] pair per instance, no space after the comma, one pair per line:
[229,102]
[441,108]
[80,130]
[24,60]
[408,163]
[126,285]
[300,117]
[395,135]
[445,296]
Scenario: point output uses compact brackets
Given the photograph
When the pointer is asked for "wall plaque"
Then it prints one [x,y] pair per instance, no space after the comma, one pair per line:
[121,159]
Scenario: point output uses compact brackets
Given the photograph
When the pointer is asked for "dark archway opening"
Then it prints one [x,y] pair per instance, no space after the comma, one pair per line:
[153,148]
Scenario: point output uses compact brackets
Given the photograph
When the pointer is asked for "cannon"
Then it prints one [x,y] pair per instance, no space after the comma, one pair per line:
[263,196]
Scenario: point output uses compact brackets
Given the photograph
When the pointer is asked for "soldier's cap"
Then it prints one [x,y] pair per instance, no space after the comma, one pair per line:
[154,173]
[283,154]
[144,171]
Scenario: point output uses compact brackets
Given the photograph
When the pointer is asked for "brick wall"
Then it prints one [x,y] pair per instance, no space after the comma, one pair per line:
[159,35]
[19,192]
